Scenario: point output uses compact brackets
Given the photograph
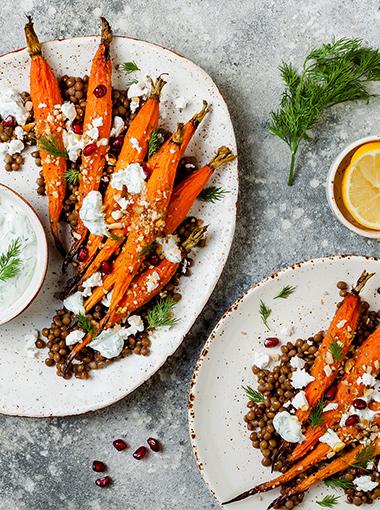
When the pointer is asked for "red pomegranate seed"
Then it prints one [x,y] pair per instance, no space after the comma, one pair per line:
[153,444]
[100,91]
[271,342]
[98,466]
[104,481]
[140,453]
[331,393]
[154,260]
[90,149]
[359,403]
[120,444]
[82,254]
[352,420]
[77,127]
[118,143]
[106,267]
[10,121]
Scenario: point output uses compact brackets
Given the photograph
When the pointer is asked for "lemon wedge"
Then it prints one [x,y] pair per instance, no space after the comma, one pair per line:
[361,186]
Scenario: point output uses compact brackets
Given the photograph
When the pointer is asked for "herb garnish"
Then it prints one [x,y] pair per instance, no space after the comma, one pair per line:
[338,483]
[336,350]
[365,455]
[316,414]
[154,142]
[331,74]
[253,395]
[52,146]
[285,292]
[162,313]
[265,312]
[130,67]
[85,323]
[328,501]
[10,262]
[72,175]
[212,194]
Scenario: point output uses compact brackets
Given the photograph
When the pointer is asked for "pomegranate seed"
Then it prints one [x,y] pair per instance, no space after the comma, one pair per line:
[98,466]
[352,420]
[82,254]
[154,260]
[77,127]
[359,403]
[120,444]
[106,267]
[104,481]
[331,393]
[100,91]
[90,149]
[140,453]
[271,342]
[154,444]
[10,121]
[118,143]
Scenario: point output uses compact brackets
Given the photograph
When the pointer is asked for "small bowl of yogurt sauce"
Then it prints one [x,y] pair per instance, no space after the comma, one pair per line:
[23,254]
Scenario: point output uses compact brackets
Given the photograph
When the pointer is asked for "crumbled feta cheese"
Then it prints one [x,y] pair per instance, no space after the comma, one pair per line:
[74,337]
[330,407]
[139,89]
[123,203]
[134,104]
[180,102]
[132,177]
[106,301]
[11,104]
[95,280]
[300,401]
[297,362]
[364,483]
[327,370]
[110,342]
[118,126]
[300,378]
[97,122]
[136,324]
[116,215]
[286,330]
[42,105]
[19,132]
[73,143]
[332,439]
[91,213]
[30,344]
[261,359]
[74,303]
[135,144]
[69,112]
[367,380]
[341,324]
[152,281]
[15,146]
[170,248]
[288,427]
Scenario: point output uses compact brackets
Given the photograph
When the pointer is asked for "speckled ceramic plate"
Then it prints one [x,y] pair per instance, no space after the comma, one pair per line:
[217,402]
[28,387]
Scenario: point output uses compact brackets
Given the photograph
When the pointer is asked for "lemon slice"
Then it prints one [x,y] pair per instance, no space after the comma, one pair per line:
[361,186]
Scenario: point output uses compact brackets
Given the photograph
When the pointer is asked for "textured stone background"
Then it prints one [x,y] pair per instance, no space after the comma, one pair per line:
[45,463]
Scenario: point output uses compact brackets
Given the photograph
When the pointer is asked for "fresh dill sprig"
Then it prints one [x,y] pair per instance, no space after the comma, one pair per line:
[212,194]
[328,501]
[84,323]
[331,74]
[130,67]
[162,313]
[336,350]
[154,142]
[365,455]
[265,312]
[254,395]
[316,414]
[51,145]
[338,483]
[10,262]
[285,292]
[72,175]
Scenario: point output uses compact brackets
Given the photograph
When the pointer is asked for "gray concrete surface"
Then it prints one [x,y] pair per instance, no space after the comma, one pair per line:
[44,463]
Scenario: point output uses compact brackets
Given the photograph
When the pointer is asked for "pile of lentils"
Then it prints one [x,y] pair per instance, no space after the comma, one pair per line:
[275,385]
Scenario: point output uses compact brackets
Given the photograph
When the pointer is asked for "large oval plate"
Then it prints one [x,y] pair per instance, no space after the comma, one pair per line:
[217,403]
[27,386]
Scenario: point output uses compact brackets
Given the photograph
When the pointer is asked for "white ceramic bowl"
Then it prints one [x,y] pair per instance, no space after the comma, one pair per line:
[32,290]
[334,189]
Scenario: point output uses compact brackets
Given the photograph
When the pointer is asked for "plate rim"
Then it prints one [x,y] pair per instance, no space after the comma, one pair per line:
[214,335]
[229,234]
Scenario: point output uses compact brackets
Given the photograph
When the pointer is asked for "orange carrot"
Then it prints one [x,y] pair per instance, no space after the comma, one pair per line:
[46,96]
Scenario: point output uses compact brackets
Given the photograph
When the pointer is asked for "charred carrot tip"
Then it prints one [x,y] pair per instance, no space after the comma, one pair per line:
[198,117]
[363,279]
[223,155]
[178,135]
[157,86]
[194,238]
[106,34]
[242,496]
[32,42]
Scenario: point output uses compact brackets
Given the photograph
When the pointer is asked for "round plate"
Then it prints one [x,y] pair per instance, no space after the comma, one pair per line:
[28,387]
[217,402]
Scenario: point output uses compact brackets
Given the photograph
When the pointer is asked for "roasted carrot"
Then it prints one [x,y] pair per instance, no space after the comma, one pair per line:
[46,96]
[366,358]
[98,110]
[341,331]
[339,464]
